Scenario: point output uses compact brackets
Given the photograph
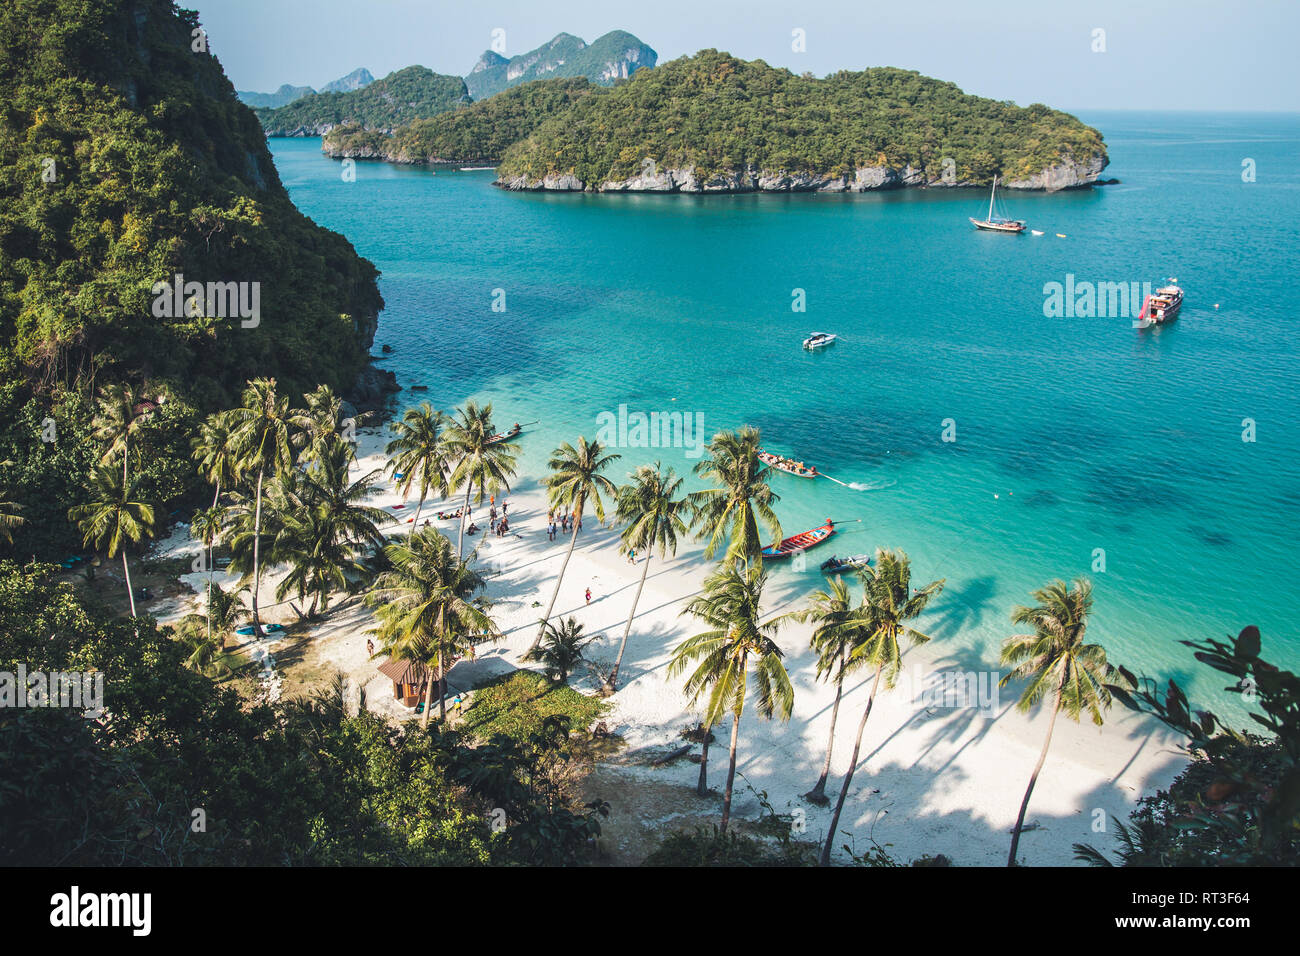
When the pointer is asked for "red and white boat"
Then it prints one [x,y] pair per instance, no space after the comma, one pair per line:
[800,542]
[1161,306]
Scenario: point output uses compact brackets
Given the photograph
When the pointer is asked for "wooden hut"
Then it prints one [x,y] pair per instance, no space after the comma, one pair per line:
[410,680]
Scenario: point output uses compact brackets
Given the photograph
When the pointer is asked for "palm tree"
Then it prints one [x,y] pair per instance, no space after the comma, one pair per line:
[116,421]
[418,452]
[206,527]
[477,461]
[561,650]
[889,601]
[262,434]
[216,453]
[723,657]
[652,512]
[9,516]
[112,519]
[322,422]
[741,498]
[838,626]
[1055,661]
[225,608]
[322,538]
[426,608]
[574,480]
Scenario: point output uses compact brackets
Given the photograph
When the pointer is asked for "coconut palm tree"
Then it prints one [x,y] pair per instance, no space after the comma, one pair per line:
[651,512]
[839,624]
[9,516]
[215,452]
[206,527]
[322,539]
[1057,663]
[117,419]
[418,452]
[225,608]
[426,608]
[889,601]
[322,422]
[561,650]
[205,653]
[113,519]
[576,479]
[723,656]
[263,433]
[477,462]
[740,498]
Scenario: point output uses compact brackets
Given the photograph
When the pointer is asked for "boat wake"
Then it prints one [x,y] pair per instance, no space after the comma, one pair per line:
[879,485]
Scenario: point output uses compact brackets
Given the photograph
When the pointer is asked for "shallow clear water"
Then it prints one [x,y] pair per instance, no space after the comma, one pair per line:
[1072,434]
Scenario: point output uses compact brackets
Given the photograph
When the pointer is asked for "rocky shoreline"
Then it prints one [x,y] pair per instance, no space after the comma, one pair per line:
[1065,175]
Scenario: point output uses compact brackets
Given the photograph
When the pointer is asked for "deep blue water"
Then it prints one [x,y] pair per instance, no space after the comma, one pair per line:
[1072,434]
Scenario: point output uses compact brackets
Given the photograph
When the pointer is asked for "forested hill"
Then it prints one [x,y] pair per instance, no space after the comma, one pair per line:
[712,122]
[125,160]
[402,96]
[607,59]
[478,133]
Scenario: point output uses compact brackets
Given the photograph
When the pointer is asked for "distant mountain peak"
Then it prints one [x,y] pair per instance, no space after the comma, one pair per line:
[612,57]
[353,81]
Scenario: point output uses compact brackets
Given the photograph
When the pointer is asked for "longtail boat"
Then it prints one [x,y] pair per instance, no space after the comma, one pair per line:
[505,436]
[838,565]
[788,465]
[800,542]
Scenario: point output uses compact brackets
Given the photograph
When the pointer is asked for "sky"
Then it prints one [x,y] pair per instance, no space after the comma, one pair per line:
[1150,54]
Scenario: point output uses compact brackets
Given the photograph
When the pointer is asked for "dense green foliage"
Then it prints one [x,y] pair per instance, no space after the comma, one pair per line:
[717,113]
[126,159]
[402,96]
[563,56]
[1238,802]
[305,783]
[480,132]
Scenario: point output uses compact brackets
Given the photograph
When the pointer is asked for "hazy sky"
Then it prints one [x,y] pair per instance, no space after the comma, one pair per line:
[1159,54]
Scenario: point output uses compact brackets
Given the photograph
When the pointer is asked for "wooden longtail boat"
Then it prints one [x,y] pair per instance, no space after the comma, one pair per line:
[505,436]
[800,542]
[790,467]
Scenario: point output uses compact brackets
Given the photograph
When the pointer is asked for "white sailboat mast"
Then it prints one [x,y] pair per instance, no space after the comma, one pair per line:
[993,192]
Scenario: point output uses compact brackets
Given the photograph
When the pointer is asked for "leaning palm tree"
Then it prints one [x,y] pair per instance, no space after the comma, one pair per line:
[216,454]
[561,650]
[117,419]
[263,436]
[113,519]
[839,623]
[418,453]
[740,498]
[426,608]
[477,461]
[652,514]
[1056,662]
[889,601]
[576,479]
[724,655]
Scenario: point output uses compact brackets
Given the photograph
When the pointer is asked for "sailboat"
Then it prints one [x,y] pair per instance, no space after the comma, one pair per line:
[997,223]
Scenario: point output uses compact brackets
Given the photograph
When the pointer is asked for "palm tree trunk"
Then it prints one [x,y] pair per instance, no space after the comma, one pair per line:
[848,777]
[216,494]
[1024,804]
[257,553]
[731,773]
[460,541]
[818,793]
[428,699]
[415,522]
[130,593]
[613,676]
[573,539]
[702,785]
[442,696]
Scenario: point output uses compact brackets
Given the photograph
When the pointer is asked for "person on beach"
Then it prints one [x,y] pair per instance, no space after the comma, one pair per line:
[588,595]
[504,506]
[631,556]
[370,647]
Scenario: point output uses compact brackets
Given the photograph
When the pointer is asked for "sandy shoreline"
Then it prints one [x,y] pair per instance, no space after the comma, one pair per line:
[932,779]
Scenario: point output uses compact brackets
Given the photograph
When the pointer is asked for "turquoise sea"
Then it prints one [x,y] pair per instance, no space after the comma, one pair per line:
[1072,434]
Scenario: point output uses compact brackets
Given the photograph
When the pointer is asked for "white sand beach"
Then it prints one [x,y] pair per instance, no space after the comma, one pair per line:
[931,779]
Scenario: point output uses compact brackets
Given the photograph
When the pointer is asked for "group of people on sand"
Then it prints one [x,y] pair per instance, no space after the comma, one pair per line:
[566,524]
[788,463]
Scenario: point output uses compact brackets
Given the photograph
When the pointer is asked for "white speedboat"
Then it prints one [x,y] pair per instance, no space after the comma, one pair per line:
[819,339]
